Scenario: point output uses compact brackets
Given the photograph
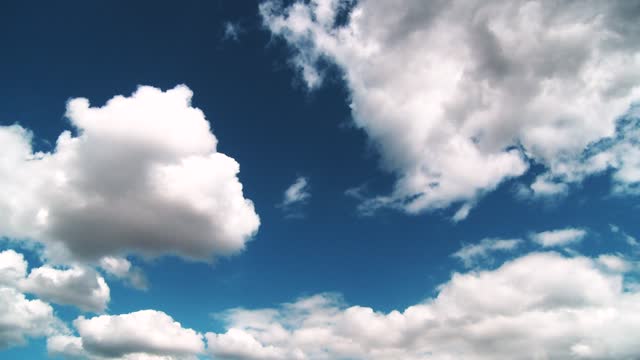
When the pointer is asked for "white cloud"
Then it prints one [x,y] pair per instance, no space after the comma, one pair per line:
[297,192]
[460,95]
[146,334]
[13,268]
[295,195]
[78,286]
[614,262]
[21,318]
[123,269]
[470,254]
[559,237]
[141,175]
[65,346]
[542,306]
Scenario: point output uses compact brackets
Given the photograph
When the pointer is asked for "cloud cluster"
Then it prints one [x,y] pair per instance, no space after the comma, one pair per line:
[78,286]
[539,306]
[141,174]
[460,95]
[20,317]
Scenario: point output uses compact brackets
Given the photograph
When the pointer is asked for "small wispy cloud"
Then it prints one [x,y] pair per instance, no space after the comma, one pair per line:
[296,195]
[630,240]
[559,237]
[232,31]
[471,254]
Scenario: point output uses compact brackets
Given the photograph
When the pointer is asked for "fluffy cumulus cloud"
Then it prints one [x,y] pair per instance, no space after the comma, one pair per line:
[138,174]
[538,306]
[470,254]
[459,96]
[559,237]
[146,334]
[20,317]
[78,286]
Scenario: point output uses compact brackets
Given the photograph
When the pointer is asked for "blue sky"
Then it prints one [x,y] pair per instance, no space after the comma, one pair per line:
[403,166]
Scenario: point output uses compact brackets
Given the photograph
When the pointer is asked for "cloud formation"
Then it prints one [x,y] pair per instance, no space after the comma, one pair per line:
[541,305]
[459,96]
[78,286]
[142,174]
[559,237]
[470,254]
[146,334]
[122,268]
[294,196]
[20,317]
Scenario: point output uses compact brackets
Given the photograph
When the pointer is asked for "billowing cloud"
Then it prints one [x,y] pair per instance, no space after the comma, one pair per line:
[142,174]
[146,334]
[78,286]
[21,318]
[559,237]
[541,305]
[470,254]
[459,96]
[13,268]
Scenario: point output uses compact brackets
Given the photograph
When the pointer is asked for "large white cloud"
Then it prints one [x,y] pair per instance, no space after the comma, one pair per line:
[146,334]
[539,306]
[460,95]
[142,174]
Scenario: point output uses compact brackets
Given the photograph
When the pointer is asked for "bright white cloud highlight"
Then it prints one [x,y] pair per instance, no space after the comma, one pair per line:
[559,237]
[542,306]
[141,175]
[461,95]
[471,254]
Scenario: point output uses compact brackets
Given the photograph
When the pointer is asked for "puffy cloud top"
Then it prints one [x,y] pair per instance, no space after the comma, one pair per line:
[142,175]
